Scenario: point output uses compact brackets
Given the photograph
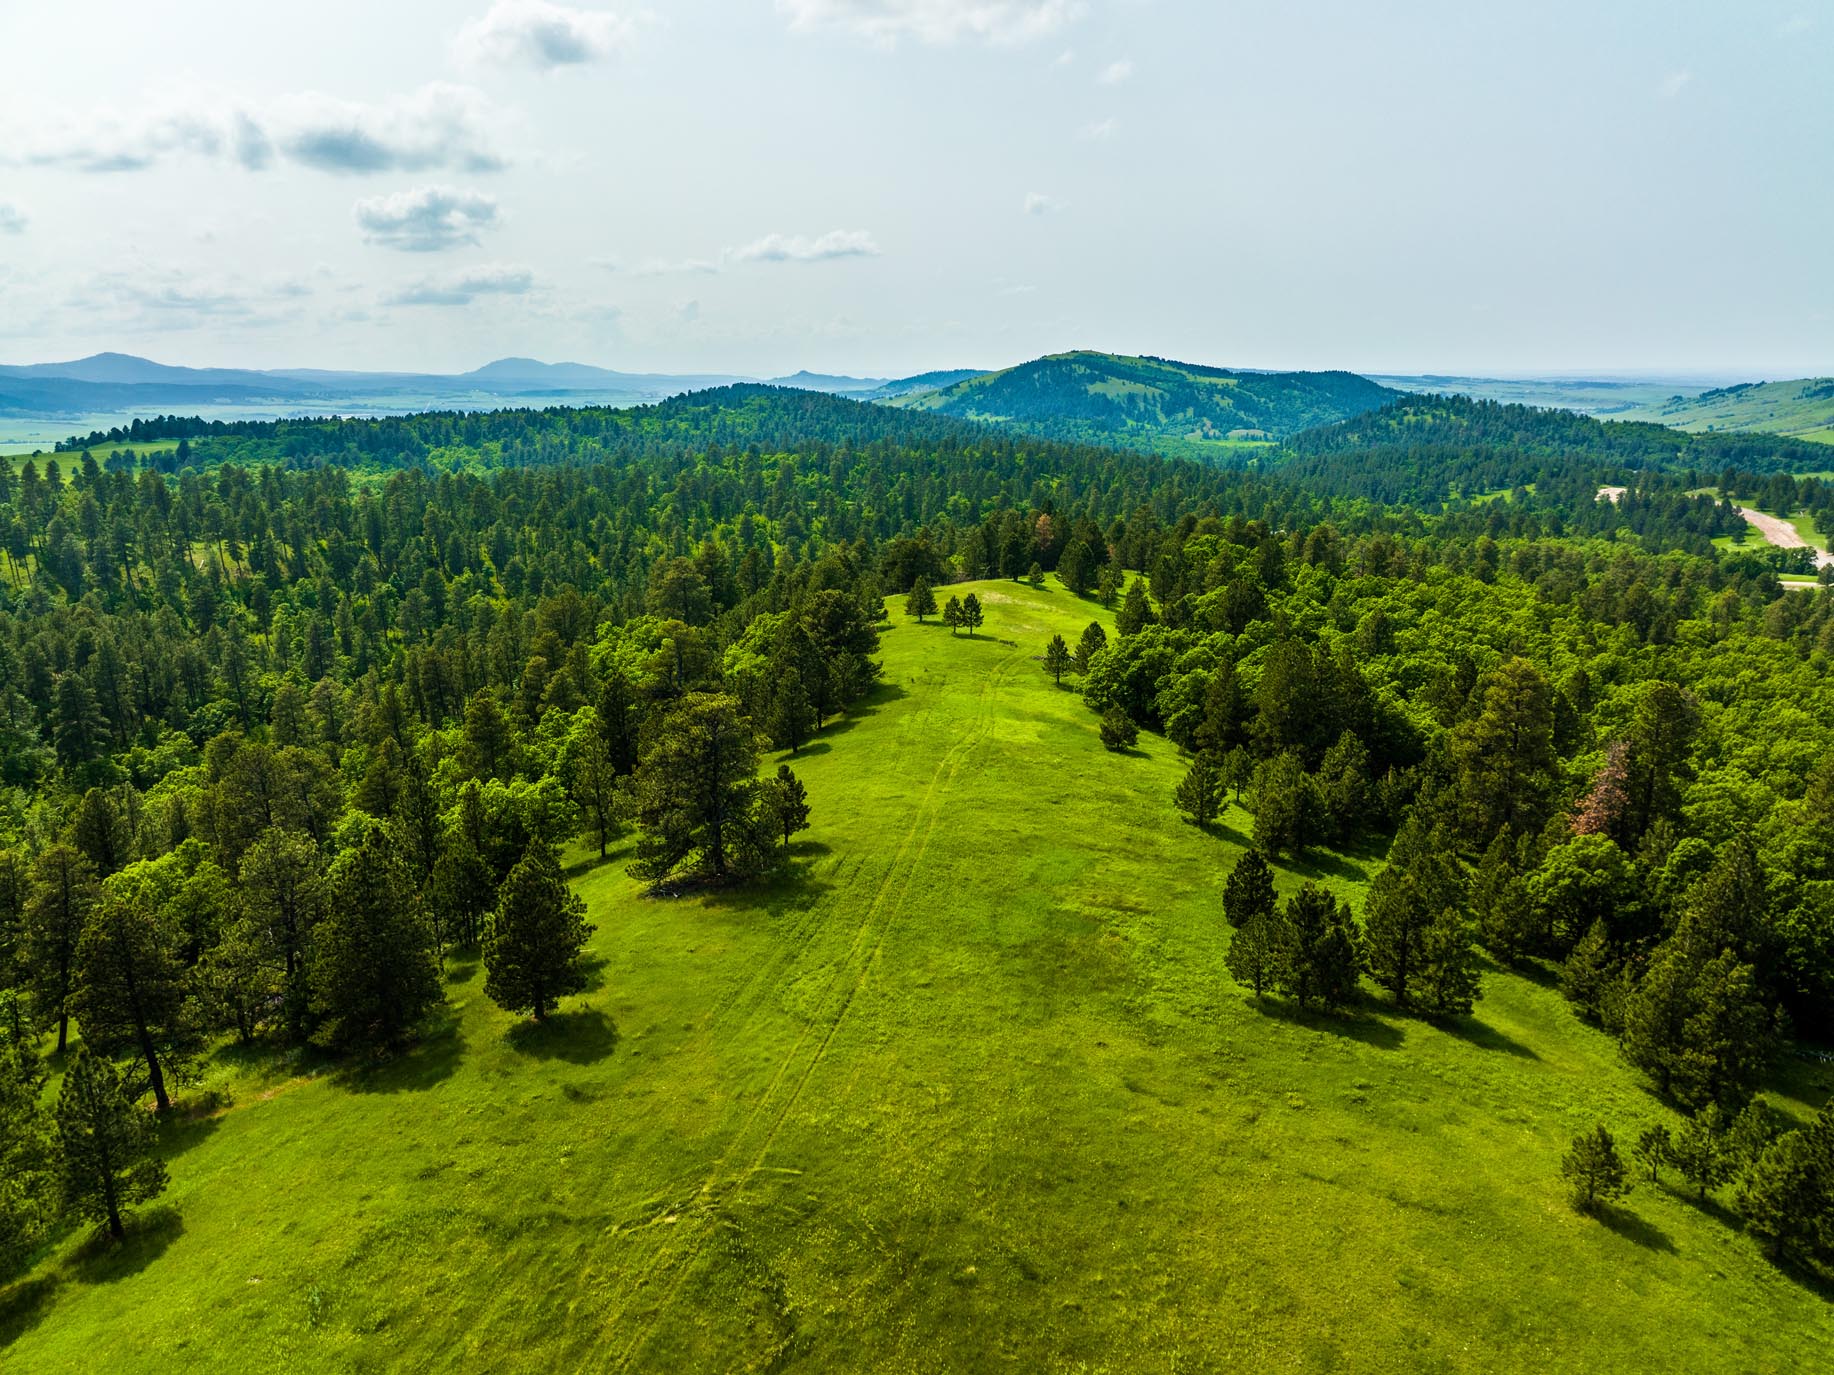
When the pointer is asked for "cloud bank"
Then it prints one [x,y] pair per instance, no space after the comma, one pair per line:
[798,248]
[427,219]
[535,33]
[465,286]
[439,127]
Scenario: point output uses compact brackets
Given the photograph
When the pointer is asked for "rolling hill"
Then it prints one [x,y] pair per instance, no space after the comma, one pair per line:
[1153,403]
[908,1108]
[1801,409]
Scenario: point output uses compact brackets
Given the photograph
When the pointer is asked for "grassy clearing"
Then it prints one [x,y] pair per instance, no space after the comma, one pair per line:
[970,1091]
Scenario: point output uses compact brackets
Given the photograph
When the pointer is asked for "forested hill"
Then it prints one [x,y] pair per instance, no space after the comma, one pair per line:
[1153,403]
[1420,449]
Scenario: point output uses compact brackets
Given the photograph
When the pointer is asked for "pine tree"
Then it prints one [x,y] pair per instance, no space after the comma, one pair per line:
[1118,730]
[1702,1030]
[1448,981]
[921,602]
[1108,584]
[1787,1195]
[105,1145]
[26,1182]
[1593,1170]
[372,971]
[1257,949]
[953,615]
[464,890]
[1057,659]
[1199,791]
[785,803]
[1135,614]
[1500,902]
[1322,955]
[1700,1151]
[791,713]
[1655,1148]
[132,985]
[1590,972]
[697,791]
[1035,574]
[1416,887]
[586,767]
[972,615]
[1094,640]
[532,949]
[282,890]
[64,892]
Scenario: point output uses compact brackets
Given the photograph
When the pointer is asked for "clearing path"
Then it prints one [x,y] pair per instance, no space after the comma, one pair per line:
[1782,534]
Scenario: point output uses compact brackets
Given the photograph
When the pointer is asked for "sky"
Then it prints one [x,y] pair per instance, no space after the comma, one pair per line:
[881,187]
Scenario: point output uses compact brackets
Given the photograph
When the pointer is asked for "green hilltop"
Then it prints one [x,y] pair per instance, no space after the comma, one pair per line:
[1153,403]
[1802,408]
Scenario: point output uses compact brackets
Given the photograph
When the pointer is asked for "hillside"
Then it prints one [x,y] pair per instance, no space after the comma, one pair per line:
[1801,409]
[972,1080]
[1153,403]
[1421,449]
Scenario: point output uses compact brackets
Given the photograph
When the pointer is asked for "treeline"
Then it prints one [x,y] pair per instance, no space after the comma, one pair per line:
[1607,764]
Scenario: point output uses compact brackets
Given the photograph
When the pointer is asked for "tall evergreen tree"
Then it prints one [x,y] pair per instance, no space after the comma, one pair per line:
[105,1145]
[372,971]
[791,713]
[27,1185]
[132,987]
[954,615]
[1418,885]
[784,803]
[972,615]
[921,601]
[1094,640]
[1322,956]
[697,792]
[1057,659]
[1258,949]
[1199,792]
[64,893]
[539,928]
[1135,613]
[1787,1195]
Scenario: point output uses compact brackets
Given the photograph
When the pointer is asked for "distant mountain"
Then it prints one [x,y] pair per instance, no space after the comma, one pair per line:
[1802,409]
[922,382]
[828,382]
[109,384]
[1152,403]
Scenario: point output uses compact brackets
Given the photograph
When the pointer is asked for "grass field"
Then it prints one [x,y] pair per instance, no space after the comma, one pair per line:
[1802,408]
[971,1091]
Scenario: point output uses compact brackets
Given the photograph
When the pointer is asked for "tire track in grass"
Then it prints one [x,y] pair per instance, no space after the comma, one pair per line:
[721,1178]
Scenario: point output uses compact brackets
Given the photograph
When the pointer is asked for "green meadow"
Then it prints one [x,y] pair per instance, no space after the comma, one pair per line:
[968,1090]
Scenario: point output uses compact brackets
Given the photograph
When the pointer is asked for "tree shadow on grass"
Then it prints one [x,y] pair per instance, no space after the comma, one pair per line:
[1634,1227]
[1352,1025]
[592,968]
[189,1125]
[24,1305]
[100,1259]
[582,1037]
[1486,1037]
[430,1061]
[461,968]
[1319,863]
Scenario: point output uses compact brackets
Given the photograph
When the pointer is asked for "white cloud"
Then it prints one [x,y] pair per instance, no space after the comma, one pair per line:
[798,248]
[1101,130]
[437,127]
[1673,84]
[1115,73]
[933,21]
[463,287]
[1037,203]
[538,34]
[426,219]
[12,221]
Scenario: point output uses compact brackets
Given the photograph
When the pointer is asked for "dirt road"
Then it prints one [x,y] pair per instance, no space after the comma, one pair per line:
[1782,534]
